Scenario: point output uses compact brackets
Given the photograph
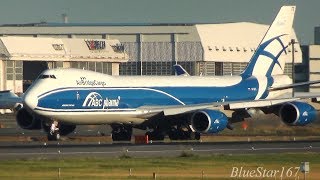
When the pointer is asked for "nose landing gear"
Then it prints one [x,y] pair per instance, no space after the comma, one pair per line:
[54,133]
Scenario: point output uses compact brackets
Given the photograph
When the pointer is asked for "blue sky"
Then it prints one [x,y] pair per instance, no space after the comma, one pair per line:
[162,11]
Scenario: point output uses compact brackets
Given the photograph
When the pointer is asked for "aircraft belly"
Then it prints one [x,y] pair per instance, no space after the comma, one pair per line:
[93,118]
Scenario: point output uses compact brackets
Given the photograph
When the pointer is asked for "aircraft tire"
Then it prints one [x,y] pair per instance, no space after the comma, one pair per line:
[53,137]
[195,136]
[121,136]
[173,136]
[121,133]
[178,134]
[155,136]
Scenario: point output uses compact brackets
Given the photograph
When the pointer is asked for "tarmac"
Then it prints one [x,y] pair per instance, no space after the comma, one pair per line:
[43,149]
[22,150]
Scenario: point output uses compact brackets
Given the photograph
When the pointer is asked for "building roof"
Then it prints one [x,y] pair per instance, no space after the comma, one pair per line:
[236,41]
[233,42]
[55,49]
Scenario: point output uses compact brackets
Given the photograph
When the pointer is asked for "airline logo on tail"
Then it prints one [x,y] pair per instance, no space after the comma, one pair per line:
[263,51]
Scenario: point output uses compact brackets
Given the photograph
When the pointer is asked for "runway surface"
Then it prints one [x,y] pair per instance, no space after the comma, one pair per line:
[59,150]
[38,149]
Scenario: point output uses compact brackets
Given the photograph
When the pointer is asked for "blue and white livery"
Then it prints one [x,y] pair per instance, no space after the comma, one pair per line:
[181,107]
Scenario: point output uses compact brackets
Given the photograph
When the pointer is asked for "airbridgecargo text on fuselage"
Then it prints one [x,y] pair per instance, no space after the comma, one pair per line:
[94,99]
[84,81]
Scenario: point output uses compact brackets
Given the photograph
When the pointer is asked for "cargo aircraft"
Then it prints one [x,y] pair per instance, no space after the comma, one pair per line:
[182,107]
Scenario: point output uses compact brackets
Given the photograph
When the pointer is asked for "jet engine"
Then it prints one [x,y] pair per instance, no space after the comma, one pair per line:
[209,121]
[297,113]
[26,121]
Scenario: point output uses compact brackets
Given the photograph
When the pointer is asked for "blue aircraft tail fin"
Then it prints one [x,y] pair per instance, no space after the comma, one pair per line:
[179,70]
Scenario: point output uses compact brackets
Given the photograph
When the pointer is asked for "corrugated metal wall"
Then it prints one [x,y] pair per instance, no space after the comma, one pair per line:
[189,51]
[157,58]
[157,51]
[132,49]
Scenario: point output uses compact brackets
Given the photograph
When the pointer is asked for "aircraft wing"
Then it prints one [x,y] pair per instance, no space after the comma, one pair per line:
[259,103]
[276,88]
[175,110]
[233,105]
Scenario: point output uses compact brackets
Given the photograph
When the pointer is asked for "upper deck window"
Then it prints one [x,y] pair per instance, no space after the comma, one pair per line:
[45,76]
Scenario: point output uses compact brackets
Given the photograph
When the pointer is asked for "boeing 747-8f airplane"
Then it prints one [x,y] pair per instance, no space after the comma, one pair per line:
[181,107]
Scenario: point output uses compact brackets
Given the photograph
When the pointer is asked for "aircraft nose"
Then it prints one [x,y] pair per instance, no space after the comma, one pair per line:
[30,100]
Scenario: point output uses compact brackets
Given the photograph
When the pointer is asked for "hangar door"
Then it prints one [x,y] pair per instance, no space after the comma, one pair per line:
[31,70]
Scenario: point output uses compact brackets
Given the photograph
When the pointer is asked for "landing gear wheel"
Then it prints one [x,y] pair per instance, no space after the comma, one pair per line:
[180,134]
[173,134]
[194,136]
[121,137]
[121,133]
[155,135]
[53,137]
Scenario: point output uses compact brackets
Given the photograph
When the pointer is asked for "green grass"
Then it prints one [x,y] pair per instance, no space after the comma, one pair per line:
[184,166]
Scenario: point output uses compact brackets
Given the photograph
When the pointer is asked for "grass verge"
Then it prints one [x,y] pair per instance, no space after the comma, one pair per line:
[184,166]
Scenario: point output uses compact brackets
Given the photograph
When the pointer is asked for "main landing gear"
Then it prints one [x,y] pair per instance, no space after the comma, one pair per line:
[183,133]
[121,132]
[156,135]
[179,132]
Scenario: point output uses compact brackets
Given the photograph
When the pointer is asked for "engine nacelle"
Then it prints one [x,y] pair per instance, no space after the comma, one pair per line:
[209,121]
[26,121]
[297,113]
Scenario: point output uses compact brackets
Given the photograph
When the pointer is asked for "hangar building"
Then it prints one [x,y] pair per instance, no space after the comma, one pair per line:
[22,59]
[311,54]
[317,35]
[151,49]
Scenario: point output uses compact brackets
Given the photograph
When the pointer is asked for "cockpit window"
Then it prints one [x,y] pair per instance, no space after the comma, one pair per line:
[45,76]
